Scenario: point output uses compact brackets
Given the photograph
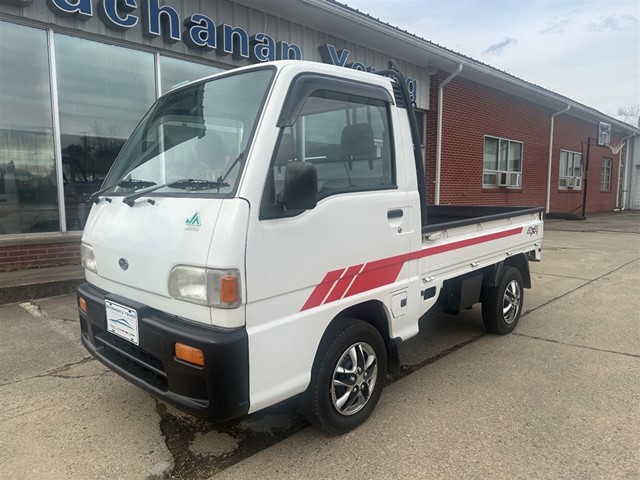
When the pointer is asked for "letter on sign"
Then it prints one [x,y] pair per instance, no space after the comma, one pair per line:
[116,14]
[79,8]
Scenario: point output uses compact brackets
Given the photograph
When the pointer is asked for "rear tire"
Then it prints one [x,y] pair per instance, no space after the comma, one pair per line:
[347,377]
[502,305]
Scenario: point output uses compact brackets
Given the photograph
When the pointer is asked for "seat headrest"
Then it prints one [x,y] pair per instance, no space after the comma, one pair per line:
[357,140]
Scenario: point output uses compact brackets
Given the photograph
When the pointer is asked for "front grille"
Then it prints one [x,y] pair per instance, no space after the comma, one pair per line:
[132,359]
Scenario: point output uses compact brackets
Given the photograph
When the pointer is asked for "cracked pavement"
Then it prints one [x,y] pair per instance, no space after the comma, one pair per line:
[560,398]
[62,414]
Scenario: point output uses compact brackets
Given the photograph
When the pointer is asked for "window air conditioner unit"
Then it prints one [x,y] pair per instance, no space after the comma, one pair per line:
[574,182]
[508,179]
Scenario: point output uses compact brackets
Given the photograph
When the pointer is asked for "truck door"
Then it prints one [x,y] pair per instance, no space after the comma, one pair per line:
[309,265]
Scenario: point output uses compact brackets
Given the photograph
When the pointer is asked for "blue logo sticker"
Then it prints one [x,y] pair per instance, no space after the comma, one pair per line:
[194,220]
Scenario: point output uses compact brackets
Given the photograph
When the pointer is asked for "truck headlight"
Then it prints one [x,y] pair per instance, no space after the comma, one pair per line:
[88,258]
[206,286]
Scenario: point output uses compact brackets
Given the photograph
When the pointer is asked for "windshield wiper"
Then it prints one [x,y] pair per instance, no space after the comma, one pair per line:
[131,184]
[95,196]
[195,184]
[233,164]
[184,184]
[136,184]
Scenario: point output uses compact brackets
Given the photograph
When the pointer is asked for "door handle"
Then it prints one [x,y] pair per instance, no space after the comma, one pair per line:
[396,213]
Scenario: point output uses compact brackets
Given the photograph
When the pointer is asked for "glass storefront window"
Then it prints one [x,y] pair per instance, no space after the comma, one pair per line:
[28,191]
[103,92]
[174,72]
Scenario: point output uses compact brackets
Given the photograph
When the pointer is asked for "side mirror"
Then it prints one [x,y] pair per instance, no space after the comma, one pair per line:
[300,186]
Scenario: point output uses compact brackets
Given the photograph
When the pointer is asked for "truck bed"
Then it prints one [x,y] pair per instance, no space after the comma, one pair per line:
[441,217]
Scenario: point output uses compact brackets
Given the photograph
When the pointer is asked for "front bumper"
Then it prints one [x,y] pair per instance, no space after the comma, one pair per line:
[219,390]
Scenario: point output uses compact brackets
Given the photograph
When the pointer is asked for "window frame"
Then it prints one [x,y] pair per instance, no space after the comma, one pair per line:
[504,178]
[32,198]
[564,181]
[605,174]
[308,86]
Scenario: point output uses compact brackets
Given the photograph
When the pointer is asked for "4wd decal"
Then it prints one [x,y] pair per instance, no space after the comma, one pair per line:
[531,231]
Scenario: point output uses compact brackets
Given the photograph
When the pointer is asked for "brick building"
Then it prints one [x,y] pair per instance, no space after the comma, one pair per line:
[95,66]
[474,114]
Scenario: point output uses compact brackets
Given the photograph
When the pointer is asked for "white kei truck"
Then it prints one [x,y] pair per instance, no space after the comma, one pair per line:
[264,234]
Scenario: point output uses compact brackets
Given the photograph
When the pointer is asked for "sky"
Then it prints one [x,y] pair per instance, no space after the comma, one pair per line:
[587,50]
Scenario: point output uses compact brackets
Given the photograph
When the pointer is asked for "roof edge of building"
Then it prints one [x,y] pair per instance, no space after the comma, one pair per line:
[470,63]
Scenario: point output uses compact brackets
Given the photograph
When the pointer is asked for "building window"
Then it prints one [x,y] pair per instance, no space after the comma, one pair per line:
[502,164]
[28,186]
[605,179]
[570,170]
[174,72]
[103,92]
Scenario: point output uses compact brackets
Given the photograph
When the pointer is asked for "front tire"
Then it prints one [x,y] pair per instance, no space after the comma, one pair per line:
[502,305]
[347,377]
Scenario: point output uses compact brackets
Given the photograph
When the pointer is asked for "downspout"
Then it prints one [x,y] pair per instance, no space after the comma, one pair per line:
[625,190]
[550,160]
[439,132]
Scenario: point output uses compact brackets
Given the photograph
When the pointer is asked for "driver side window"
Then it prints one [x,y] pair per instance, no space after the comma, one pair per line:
[345,137]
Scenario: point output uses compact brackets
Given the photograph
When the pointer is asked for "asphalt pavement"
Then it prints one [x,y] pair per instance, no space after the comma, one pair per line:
[558,398]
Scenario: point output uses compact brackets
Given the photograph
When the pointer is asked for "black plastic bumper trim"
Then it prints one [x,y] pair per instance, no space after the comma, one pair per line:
[218,391]
[131,357]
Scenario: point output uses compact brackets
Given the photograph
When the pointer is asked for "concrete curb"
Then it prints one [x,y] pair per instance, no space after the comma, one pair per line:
[23,285]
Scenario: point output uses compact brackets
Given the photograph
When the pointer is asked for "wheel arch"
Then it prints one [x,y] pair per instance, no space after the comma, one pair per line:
[521,263]
[493,274]
[372,312]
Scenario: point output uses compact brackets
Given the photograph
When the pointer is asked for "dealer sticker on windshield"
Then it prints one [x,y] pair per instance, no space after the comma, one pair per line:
[122,321]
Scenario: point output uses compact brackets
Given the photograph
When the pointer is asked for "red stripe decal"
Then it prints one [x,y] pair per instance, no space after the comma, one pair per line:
[376,274]
[321,290]
[342,284]
[385,271]
[465,243]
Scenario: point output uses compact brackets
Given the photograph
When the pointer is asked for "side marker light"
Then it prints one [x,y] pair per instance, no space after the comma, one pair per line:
[189,354]
[82,304]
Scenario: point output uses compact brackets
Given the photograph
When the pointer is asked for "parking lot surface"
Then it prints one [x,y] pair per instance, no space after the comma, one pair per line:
[558,398]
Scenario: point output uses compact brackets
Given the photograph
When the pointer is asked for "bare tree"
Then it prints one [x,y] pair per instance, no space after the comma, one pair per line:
[630,111]
[631,114]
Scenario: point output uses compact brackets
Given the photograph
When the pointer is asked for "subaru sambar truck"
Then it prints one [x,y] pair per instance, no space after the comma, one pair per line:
[264,234]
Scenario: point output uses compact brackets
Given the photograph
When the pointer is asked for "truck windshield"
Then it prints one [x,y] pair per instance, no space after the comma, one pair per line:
[197,134]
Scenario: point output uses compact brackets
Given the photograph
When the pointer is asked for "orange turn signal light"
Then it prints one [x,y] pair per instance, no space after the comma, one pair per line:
[82,304]
[189,354]
[229,289]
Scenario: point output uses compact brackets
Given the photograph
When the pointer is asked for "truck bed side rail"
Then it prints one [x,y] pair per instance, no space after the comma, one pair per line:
[443,217]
